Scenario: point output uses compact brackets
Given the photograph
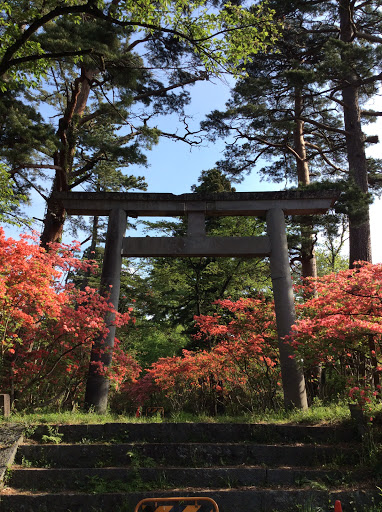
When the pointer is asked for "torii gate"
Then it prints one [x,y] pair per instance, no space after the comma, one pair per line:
[271,205]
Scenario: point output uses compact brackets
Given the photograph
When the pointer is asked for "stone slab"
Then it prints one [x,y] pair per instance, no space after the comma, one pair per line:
[186,454]
[293,202]
[11,436]
[199,432]
[121,478]
[195,246]
[228,500]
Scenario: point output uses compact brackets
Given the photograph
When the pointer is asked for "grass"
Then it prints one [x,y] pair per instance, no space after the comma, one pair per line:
[317,414]
[73,418]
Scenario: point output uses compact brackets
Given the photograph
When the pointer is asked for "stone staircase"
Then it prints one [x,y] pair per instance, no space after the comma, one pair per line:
[243,467]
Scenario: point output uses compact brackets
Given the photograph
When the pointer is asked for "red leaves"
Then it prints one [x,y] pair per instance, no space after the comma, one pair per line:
[348,308]
[47,328]
[242,365]
[342,328]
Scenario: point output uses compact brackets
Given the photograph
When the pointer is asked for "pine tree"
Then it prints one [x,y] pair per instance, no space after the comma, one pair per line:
[298,110]
[100,86]
[349,72]
[264,121]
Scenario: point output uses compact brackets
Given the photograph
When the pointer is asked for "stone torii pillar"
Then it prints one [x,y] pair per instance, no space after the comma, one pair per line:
[97,385]
[292,376]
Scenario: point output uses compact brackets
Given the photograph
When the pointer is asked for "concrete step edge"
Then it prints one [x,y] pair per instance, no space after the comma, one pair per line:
[197,431]
[228,500]
[182,455]
[124,478]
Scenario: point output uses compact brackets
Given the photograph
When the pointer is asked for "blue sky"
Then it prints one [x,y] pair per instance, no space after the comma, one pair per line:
[174,166]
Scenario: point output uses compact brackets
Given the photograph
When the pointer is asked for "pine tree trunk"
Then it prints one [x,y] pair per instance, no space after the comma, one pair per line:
[359,239]
[55,214]
[308,260]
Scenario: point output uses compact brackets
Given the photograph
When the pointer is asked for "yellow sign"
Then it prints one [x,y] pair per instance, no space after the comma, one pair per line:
[183,504]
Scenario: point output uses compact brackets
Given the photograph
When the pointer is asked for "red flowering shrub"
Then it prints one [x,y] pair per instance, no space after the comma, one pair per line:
[341,329]
[240,372]
[47,327]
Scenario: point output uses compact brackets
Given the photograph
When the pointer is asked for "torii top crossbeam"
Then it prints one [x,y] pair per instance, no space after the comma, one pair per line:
[292,202]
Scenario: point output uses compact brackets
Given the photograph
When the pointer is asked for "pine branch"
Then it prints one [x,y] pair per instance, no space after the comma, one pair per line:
[26,165]
[8,61]
[160,92]
[371,113]
[58,55]
[137,42]
[368,37]
[31,184]
[324,157]
[183,138]
[89,8]
[321,125]
[82,179]
[336,100]
[360,6]
[359,83]
[321,30]
[270,144]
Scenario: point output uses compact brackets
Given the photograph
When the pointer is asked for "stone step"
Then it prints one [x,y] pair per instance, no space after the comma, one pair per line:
[183,454]
[228,500]
[195,432]
[242,467]
[130,479]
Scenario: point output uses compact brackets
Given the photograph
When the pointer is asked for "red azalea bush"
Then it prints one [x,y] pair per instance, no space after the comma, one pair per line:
[338,331]
[47,327]
[241,371]
[341,330]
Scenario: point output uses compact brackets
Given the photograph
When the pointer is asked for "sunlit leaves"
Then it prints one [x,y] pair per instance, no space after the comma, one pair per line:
[223,39]
[8,201]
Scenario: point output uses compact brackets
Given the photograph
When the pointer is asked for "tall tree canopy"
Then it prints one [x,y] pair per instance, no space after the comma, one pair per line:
[224,37]
[263,121]
[104,94]
[300,109]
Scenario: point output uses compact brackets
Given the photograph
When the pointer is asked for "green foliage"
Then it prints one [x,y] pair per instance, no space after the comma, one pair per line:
[336,412]
[289,118]
[220,39]
[79,56]
[53,436]
[148,342]
[9,202]
[328,261]
[309,506]
[264,110]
